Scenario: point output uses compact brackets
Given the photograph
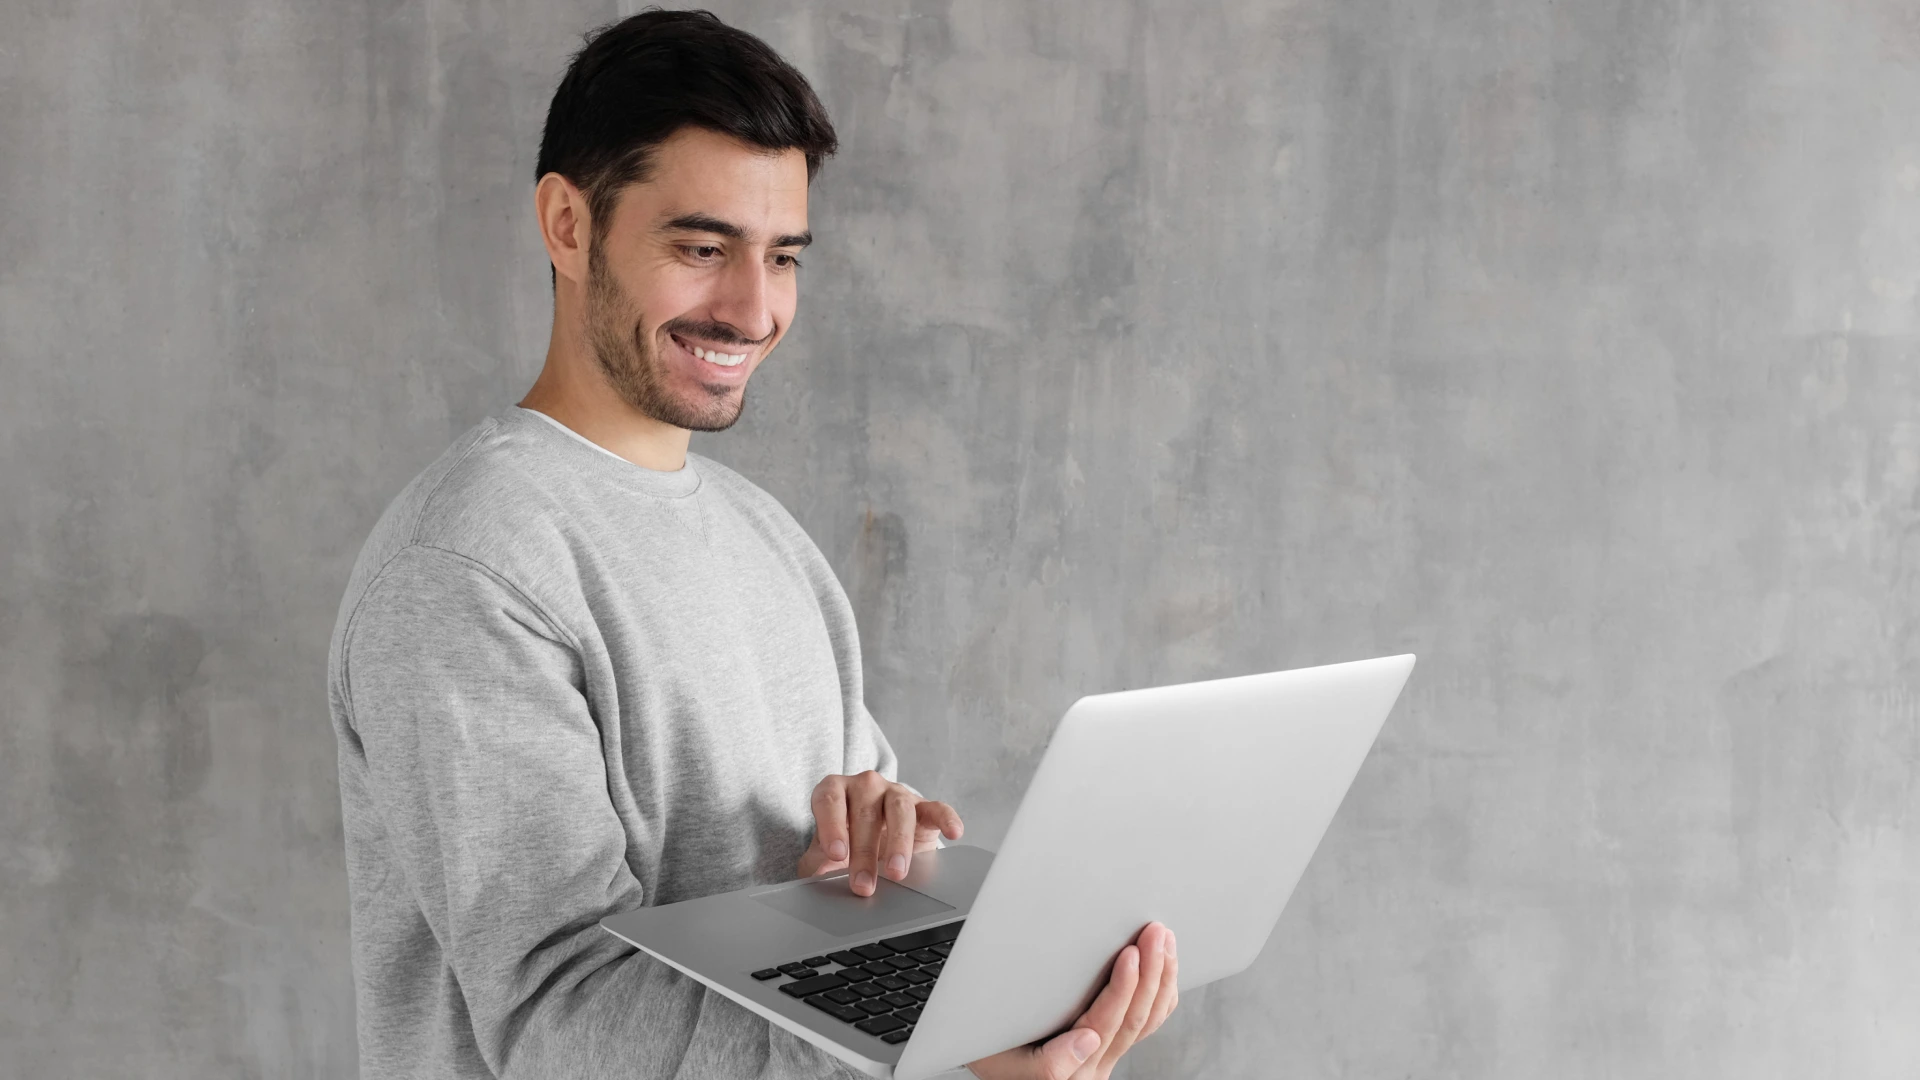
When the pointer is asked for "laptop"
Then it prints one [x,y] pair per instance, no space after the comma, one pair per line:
[1197,804]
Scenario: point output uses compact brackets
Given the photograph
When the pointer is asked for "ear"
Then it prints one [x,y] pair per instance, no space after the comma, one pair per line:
[565,226]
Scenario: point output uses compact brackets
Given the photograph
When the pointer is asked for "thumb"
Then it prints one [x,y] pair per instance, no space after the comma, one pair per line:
[814,859]
[1063,1054]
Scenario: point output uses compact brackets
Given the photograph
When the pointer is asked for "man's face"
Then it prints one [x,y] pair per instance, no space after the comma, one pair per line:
[692,282]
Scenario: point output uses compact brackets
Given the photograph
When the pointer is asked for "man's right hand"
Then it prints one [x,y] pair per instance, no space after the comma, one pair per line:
[888,822]
[1142,990]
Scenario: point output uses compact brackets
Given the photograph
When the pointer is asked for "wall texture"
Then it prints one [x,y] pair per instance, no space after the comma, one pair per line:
[1574,346]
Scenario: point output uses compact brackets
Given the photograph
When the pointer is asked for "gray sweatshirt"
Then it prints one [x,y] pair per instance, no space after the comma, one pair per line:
[563,686]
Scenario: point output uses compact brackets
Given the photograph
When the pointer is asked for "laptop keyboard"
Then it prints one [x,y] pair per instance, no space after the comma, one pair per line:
[878,987]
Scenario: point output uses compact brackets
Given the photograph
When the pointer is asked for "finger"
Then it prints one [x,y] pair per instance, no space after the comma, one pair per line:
[830,818]
[813,860]
[1140,1007]
[1109,1010]
[1169,996]
[936,819]
[1056,1059]
[1059,1056]
[866,814]
[896,842]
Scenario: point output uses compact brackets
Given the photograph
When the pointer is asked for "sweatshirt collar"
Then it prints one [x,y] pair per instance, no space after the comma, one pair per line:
[675,484]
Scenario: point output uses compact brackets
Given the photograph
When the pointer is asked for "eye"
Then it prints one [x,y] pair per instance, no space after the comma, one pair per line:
[785,261]
[702,252]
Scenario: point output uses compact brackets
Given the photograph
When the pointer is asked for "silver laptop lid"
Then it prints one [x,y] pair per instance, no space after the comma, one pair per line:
[1198,805]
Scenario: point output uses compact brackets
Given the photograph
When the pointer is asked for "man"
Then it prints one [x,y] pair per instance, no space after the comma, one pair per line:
[579,669]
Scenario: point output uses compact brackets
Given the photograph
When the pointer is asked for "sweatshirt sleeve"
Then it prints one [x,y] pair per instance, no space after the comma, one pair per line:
[486,768]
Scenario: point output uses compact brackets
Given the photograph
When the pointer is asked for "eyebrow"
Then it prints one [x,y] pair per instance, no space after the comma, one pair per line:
[709,224]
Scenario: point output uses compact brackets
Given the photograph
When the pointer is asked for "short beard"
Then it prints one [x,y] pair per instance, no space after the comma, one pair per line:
[631,360]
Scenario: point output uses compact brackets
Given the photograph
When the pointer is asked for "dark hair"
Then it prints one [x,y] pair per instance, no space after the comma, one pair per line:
[643,78]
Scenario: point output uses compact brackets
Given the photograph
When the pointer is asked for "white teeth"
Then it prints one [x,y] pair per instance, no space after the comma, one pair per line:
[723,359]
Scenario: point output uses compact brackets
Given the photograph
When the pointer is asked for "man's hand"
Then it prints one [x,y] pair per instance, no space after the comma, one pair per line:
[1138,996]
[874,826]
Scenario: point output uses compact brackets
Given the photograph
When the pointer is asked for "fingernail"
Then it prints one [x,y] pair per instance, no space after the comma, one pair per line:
[837,850]
[1084,1044]
[862,881]
[897,866]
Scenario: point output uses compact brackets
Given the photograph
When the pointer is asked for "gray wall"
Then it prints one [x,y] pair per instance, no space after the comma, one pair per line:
[1573,346]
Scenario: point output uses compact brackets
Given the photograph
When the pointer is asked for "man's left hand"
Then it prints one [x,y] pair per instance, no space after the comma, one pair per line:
[874,826]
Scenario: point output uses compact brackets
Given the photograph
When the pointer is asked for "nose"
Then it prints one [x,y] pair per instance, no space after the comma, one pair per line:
[741,301]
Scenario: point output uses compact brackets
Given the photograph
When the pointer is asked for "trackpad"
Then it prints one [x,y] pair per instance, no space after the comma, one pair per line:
[831,906]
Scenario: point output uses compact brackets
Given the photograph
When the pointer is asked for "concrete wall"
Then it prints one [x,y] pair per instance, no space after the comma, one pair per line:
[1573,346]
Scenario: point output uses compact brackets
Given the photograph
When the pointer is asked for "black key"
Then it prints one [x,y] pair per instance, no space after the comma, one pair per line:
[877,968]
[942,949]
[898,1001]
[921,993]
[853,974]
[924,956]
[902,963]
[815,961]
[816,985]
[873,952]
[880,1025]
[797,969]
[847,959]
[896,1036]
[911,1016]
[914,977]
[844,996]
[891,982]
[766,974]
[869,989]
[875,1007]
[920,939]
[934,969]
[845,1013]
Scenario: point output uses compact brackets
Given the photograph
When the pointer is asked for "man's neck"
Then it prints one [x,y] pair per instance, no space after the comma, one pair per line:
[574,393]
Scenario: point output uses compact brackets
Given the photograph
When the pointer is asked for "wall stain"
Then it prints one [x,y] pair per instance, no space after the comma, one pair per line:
[879,564]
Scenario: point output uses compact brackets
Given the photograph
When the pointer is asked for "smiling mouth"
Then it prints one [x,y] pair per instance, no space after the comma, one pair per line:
[713,356]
